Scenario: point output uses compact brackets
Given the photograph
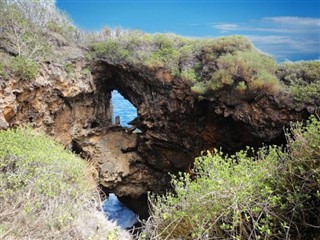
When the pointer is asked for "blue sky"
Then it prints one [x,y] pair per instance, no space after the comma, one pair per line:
[285,29]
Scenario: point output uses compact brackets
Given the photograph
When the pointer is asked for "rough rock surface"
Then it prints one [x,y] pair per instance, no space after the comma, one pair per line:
[176,125]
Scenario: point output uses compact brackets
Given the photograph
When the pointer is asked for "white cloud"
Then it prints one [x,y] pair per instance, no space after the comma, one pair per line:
[235,27]
[226,27]
[282,36]
[304,21]
[271,39]
[285,46]
[283,24]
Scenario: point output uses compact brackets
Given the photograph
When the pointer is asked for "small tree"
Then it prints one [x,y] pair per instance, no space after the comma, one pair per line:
[19,36]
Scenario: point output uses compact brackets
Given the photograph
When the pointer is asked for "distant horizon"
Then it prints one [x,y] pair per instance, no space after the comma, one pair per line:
[286,30]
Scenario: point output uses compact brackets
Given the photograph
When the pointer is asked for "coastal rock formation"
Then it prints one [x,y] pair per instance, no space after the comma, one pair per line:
[177,125]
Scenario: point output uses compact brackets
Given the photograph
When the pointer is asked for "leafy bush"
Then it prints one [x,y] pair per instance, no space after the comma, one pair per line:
[24,68]
[255,70]
[165,56]
[214,48]
[46,192]
[302,79]
[269,194]
[111,49]
[189,75]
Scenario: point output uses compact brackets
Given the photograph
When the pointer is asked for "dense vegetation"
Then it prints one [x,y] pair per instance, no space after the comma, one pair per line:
[47,192]
[302,79]
[268,194]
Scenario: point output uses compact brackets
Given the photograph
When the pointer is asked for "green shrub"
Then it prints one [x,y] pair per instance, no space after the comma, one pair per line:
[214,48]
[24,68]
[253,68]
[189,75]
[269,194]
[163,41]
[241,87]
[166,57]
[198,88]
[45,191]
[111,49]
[302,79]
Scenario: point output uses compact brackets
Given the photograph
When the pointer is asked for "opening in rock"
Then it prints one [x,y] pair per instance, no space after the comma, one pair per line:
[118,212]
[123,110]
[75,147]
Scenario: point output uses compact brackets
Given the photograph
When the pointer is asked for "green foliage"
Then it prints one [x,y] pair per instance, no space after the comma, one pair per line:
[24,68]
[269,194]
[163,41]
[34,165]
[46,191]
[166,50]
[255,70]
[27,158]
[112,49]
[214,48]
[241,87]
[189,75]
[207,64]
[198,88]
[302,79]
[164,56]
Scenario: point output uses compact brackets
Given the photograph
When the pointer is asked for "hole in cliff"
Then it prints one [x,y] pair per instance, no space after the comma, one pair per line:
[137,205]
[120,212]
[75,147]
[94,124]
[123,110]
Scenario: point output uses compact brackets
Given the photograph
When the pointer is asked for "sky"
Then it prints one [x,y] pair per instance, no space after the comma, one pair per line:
[287,30]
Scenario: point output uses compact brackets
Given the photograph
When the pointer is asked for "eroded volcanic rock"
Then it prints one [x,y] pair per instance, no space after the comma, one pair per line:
[176,124]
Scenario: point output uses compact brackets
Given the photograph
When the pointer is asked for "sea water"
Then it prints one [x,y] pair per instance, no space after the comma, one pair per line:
[123,108]
[116,211]
[112,207]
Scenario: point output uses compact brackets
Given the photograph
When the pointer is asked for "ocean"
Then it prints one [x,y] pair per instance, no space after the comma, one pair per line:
[123,108]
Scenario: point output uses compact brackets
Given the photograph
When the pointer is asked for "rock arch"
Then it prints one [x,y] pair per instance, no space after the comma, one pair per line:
[176,124]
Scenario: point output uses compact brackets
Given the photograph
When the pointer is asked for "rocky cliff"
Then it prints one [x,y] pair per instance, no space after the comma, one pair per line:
[75,107]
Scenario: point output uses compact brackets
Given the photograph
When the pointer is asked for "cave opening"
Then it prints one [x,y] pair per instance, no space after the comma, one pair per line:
[118,212]
[123,110]
[126,210]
